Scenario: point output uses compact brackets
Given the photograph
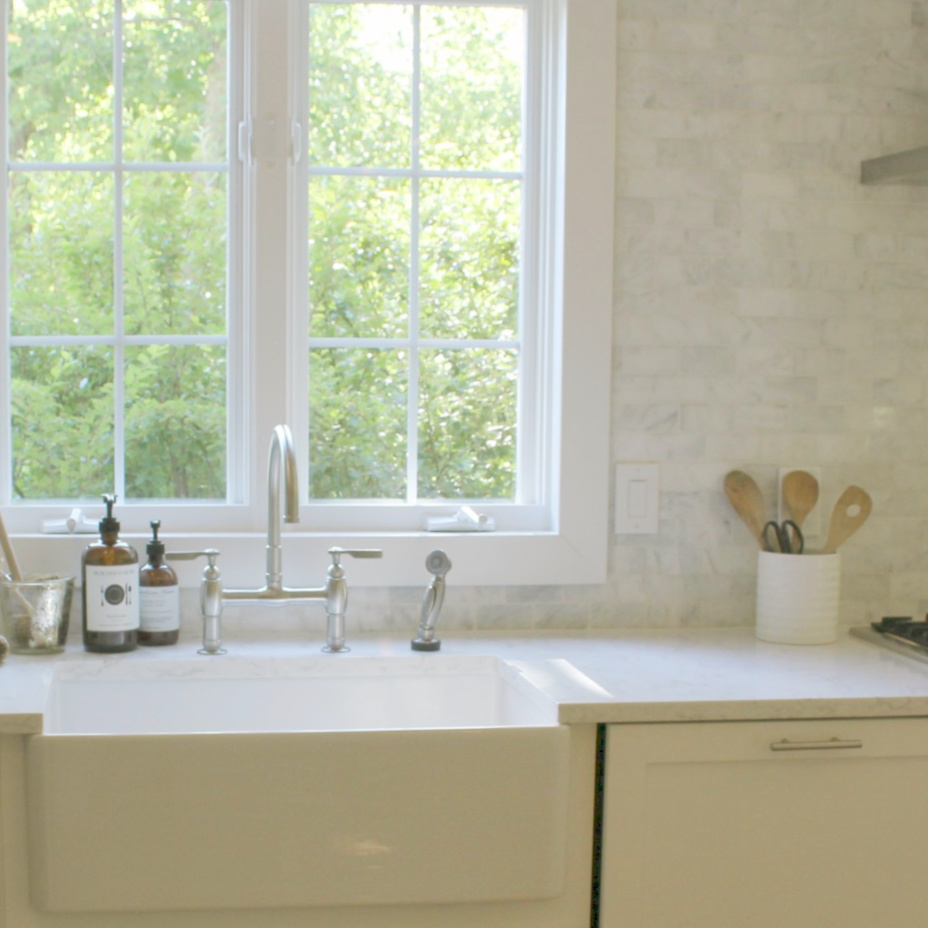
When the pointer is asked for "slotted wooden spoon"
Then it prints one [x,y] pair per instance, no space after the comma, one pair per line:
[800,493]
[850,512]
[747,500]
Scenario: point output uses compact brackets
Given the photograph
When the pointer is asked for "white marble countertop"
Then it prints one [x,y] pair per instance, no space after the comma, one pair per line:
[631,676]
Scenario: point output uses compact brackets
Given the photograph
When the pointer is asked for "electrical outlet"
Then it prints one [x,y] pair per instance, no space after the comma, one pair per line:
[812,524]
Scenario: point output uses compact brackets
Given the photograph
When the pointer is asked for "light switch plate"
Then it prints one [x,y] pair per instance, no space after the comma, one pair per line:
[637,496]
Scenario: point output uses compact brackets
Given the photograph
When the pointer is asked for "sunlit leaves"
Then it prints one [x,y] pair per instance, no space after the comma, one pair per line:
[414,226]
[358,430]
[61,253]
[360,72]
[174,268]
[60,64]
[62,404]
[459,388]
[67,275]
[469,258]
[174,73]
[457,232]
[175,408]
[471,87]
[359,254]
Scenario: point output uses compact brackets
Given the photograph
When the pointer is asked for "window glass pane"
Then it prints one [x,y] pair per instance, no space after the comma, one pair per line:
[109,253]
[60,63]
[62,422]
[175,422]
[174,76]
[61,253]
[420,251]
[469,262]
[467,427]
[357,432]
[174,253]
[360,73]
[472,62]
[359,256]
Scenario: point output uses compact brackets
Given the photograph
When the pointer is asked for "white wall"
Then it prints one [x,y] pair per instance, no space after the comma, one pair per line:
[769,310]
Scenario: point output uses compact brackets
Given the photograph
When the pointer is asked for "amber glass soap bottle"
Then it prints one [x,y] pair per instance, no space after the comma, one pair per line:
[159,596]
[110,576]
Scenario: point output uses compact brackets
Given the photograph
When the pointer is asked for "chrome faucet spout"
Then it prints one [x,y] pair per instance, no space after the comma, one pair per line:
[281,461]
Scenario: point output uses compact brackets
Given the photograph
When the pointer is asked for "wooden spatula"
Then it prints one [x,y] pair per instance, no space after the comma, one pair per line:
[850,512]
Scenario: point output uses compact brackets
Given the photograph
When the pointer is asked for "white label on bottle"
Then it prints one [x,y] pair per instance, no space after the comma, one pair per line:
[112,596]
[159,608]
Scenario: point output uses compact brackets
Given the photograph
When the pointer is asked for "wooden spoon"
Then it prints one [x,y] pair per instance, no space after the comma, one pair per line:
[8,553]
[850,512]
[747,500]
[800,493]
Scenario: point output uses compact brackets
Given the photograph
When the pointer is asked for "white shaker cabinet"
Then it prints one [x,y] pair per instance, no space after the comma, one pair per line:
[811,824]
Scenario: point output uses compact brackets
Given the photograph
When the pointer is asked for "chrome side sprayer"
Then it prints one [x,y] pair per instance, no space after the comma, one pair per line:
[438,564]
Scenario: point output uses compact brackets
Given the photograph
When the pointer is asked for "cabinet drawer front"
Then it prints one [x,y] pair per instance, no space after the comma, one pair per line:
[764,824]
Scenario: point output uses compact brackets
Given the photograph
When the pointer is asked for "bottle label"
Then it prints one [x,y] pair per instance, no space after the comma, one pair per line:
[112,596]
[159,608]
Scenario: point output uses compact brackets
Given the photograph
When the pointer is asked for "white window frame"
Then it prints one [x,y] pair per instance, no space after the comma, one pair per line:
[572,546]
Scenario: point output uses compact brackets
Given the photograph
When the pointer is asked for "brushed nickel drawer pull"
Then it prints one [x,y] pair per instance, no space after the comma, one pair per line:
[833,744]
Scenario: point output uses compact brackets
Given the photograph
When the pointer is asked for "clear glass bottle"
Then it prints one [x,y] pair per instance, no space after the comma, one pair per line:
[159,596]
[110,594]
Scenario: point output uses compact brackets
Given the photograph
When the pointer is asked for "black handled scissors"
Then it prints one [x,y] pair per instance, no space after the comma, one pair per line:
[784,537]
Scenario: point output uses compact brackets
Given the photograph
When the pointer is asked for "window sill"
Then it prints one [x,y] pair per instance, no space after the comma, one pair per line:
[479,558]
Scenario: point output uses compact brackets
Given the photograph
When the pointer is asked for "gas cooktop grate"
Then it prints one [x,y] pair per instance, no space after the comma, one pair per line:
[904,635]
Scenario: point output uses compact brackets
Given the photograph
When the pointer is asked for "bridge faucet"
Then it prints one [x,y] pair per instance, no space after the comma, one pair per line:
[282,462]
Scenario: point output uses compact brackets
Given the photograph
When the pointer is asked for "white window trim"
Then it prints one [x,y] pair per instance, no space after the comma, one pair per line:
[574,550]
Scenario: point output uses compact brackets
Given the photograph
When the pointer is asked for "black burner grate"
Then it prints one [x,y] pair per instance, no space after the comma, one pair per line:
[909,629]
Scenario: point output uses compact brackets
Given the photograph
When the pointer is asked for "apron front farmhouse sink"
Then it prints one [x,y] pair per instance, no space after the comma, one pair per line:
[230,784]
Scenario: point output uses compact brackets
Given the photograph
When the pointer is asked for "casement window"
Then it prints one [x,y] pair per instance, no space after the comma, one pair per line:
[385,223]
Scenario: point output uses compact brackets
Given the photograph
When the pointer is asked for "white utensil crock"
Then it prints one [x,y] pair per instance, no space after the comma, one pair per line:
[797,597]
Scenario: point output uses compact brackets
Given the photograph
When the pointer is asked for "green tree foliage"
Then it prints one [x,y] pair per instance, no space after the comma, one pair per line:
[386,250]
[63,226]
[465,232]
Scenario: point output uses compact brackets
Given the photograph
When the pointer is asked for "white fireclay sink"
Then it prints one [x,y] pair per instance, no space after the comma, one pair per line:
[225,783]
[340,693]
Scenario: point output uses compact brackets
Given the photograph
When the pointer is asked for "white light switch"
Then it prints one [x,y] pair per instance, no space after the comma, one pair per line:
[637,492]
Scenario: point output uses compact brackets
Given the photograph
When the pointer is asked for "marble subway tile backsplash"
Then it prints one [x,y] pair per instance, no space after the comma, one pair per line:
[769,310]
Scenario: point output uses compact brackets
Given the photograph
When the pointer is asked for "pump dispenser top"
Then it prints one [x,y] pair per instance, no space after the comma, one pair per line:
[109,525]
[155,547]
